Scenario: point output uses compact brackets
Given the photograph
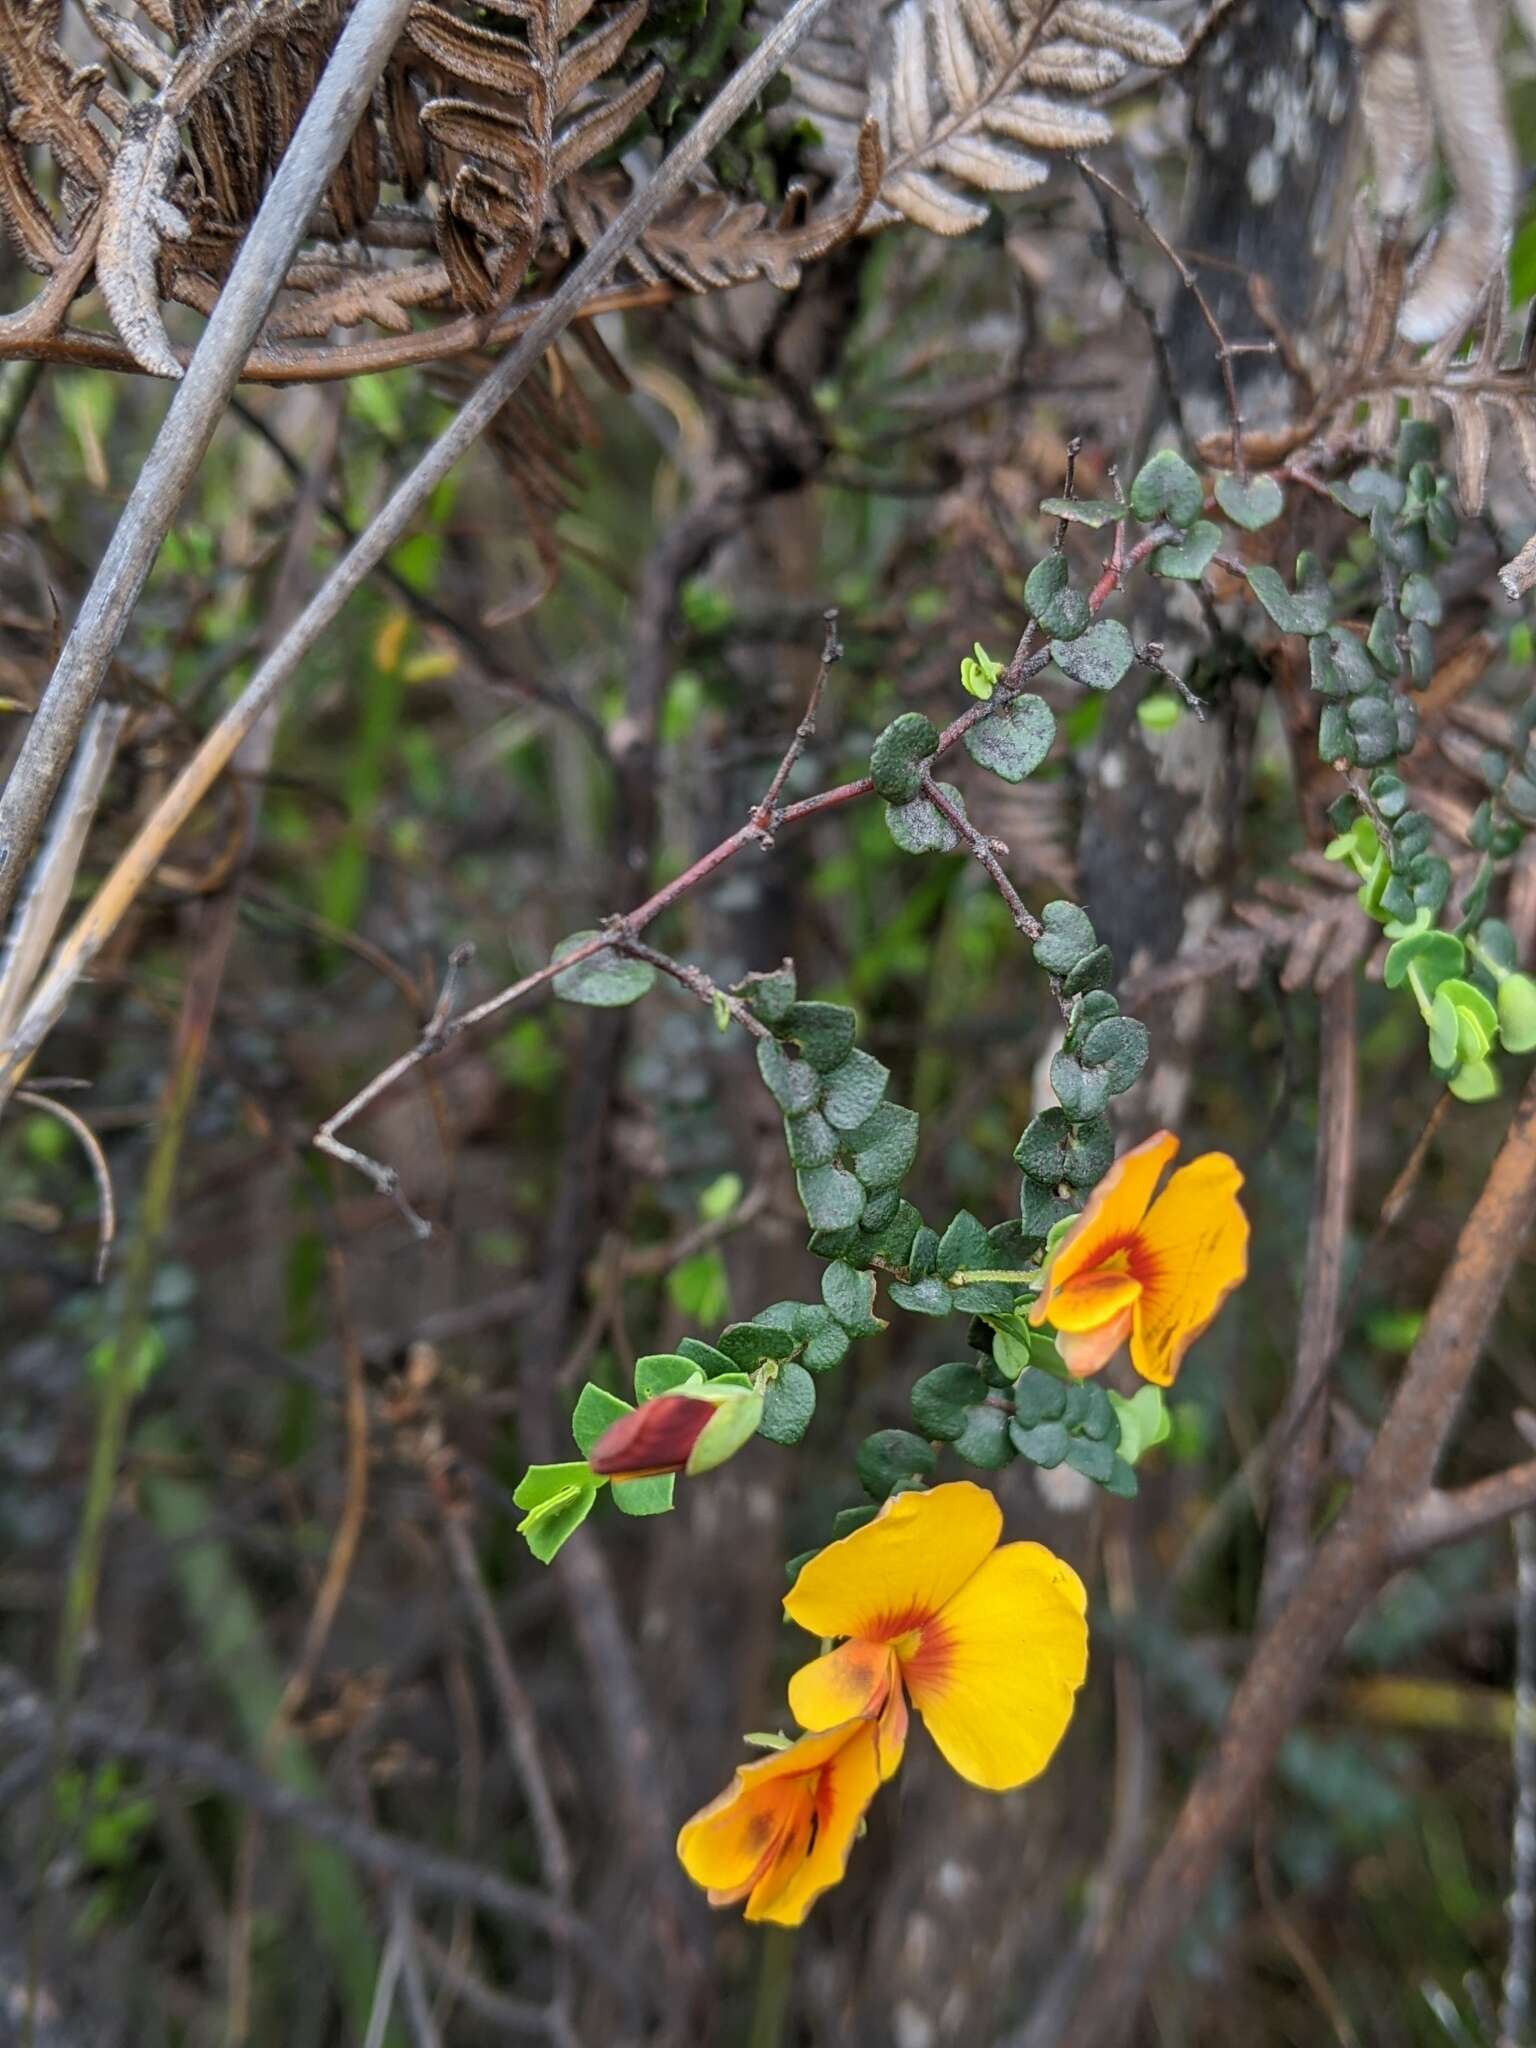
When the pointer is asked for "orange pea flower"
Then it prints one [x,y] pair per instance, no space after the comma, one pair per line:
[781,1831]
[1155,1272]
[990,1644]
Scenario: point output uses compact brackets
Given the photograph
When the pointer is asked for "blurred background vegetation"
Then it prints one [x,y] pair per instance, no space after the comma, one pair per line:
[453,769]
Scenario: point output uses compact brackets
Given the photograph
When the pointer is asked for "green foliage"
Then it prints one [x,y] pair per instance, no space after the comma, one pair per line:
[607,981]
[1167,488]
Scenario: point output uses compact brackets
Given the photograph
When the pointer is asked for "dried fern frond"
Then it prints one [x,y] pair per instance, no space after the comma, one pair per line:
[965,92]
[1312,927]
[487,120]
[707,240]
[1430,71]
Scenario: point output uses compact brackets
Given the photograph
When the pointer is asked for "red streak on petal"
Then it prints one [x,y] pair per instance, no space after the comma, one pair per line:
[657,1437]
[929,1665]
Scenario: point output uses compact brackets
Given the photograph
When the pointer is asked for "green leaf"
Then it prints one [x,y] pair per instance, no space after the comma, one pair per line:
[768,996]
[810,1139]
[789,1402]
[1308,611]
[852,1092]
[823,1031]
[1186,561]
[1477,1021]
[984,1442]
[920,827]
[1121,1047]
[1081,1091]
[644,1496]
[820,1337]
[1476,1082]
[1097,660]
[885,1146]
[964,1245]
[880,1208]
[1059,609]
[1010,1353]
[558,1499]
[1068,937]
[793,1084]
[749,1345]
[1015,739]
[659,1373]
[1038,1397]
[596,1410]
[1046,1444]
[850,1295]
[1167,486]
[942,1398]
[1095,1460]
[831,1197]
[1257,502]
[1421,600]
[1053,1149]
[1432,955]
[1381,641]
[1093,512]
[1444,1026]
[896,761]
[606,981]
[928,1297]
[1144,1421]
[710,1361]
[883,1461]
[1367,489]
[1517,1012]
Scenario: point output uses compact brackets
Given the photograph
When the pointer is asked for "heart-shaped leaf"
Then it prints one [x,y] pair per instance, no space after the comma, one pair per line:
[1099,659]
[1166,487]
[1251,504]
[1186,561]
[1015,739]
[605,982]
[1084,511]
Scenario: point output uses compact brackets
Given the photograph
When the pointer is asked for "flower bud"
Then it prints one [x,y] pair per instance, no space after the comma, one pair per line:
[691,1429]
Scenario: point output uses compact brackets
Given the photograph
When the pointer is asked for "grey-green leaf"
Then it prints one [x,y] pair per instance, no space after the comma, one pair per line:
[1015,739]
[1099,659]
[919,827]
[831,1197]
[789,1402]
[1251,504]
[606,981]
[1186,561]
[1167,486]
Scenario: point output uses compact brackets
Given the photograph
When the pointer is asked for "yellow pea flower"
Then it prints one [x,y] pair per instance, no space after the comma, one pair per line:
[781,1831]
[990,1644]
[1153,1271]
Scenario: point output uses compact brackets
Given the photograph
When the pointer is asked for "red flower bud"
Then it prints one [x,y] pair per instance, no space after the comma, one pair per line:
[656,1437]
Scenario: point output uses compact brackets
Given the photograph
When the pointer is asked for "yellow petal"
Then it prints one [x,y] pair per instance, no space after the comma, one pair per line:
[1090,1300]
[1190,1253]
[851,1680]
[995,1677]
[727,1844]
[1089,1351]
[1107,1224]
[891,1731]
[898,1570]
[817,1857]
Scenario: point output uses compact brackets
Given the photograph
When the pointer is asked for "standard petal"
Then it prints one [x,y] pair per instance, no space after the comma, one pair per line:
[844,1789]
[1190,1253]
[851,1680]
[727,1844]
[1089,1300]
[1114,1210]
[995,1677]
[898,1570]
